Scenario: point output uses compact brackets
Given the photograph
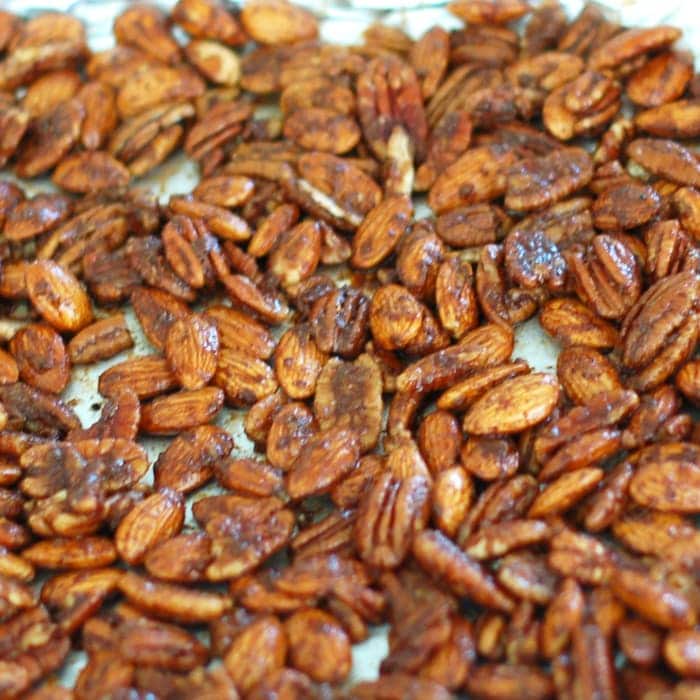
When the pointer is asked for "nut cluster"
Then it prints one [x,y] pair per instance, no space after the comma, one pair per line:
[525,535]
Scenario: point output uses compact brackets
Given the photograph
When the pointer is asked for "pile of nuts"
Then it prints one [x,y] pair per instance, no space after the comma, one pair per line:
[525,535]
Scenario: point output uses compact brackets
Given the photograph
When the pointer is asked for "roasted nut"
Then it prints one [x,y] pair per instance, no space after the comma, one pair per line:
[647,330]
[189,460]
[146,27]
[667,159]
[100,340]
[153,520]
[216,62]
[50,138]
[381,231]
[572,323]
[339,321]
[512,406]
[322,129]
[172,601]
[34,216]
[324,460]
[99,102]
[210,19]
[90,171]
[157,311]
[58,296]
[318,646]
[41,357]
[257,651]
[661,79]
[192,349]
[584,372]
[247,532]
[278,22]
[478,176]
[244,379]
[606,276]
[297,253]
[389,100]
[625,206]
[239,331]
[290,429]
[73,553]
[298,362]
[146,376]
[14,122]
[407,500]
[182,558]
[539,182]
[168,415]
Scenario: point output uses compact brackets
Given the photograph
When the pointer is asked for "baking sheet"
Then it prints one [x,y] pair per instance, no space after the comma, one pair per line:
[341,24]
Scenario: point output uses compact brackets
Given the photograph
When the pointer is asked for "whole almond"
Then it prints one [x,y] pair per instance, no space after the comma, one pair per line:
[41,357]
[325,459]
[513,405]
[318,645]
[146,376]
[192,350]
[74,553]
[171,601]
[189,460]
[380,232]
[157,311]
[278,22]
[100,340]
[149,522]
[257,651]
[58,296]
[239,331]
[244,379]
[182,410]
[298,362]
[181,559]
